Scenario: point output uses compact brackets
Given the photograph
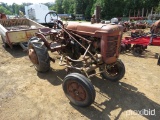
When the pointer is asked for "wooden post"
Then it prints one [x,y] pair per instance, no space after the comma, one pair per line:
[129,14]
[142,12]
[138,14]
[152,14]
[147,14]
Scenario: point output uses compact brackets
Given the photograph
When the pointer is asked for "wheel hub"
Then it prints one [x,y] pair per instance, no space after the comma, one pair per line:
[33,56]
[76,91]
[111,70]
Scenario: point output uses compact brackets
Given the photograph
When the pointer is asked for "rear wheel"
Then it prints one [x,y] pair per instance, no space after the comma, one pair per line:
[113,72]
[38,55]
[79,90]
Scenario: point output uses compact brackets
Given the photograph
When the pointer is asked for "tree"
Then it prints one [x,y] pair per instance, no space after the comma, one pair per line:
[4,10]
[158,8]
[15,8]
[109,8]
[80,6]
[88,10]
[65,6]
[58,6]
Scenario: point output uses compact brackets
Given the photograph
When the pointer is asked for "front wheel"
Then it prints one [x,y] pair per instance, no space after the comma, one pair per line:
[79,90]
[113,72]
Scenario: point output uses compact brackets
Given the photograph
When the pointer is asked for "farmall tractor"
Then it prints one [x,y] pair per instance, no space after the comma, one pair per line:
[86,50]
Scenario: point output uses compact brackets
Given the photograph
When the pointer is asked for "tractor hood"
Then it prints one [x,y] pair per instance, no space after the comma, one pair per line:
[95,30]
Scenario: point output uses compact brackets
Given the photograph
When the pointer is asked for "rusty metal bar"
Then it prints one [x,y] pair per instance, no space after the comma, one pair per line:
[73,60]
[81,37]
[77,68]
[86,51]
[95,74]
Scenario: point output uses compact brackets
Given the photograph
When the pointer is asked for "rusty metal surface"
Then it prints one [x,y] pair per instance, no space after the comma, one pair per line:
[43,38]
[110,38]
[155,27]
[18,30]
[76,91]
[20,35]
[14,22]
[33,56]
[105,37]
[94,29]
[3,16]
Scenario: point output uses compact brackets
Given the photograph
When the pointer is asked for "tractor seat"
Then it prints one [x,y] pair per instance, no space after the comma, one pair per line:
[47,31]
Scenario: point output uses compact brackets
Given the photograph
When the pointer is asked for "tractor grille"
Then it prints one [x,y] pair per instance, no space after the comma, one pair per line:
[111,46]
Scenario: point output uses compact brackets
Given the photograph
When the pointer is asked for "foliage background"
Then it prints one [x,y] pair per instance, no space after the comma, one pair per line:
[109,8]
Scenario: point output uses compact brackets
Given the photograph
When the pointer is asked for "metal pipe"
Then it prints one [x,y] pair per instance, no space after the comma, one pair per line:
[73,60]
[81,37]
[86,51]
[95,74]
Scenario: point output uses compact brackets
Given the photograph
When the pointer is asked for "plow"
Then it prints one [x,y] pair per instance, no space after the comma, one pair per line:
[138,41]
[139,44]
[85,50]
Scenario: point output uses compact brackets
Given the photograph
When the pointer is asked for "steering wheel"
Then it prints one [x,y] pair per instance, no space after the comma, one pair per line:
[51,19]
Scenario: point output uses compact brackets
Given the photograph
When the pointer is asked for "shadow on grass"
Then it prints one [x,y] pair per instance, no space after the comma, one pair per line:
[16,51]
[118,95]
[55,77]
[115,95]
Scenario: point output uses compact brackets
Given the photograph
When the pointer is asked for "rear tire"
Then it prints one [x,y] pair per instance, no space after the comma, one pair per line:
[40,52]
[114,73]
[78,89]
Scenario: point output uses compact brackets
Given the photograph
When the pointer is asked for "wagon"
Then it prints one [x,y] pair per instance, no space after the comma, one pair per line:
[18,31]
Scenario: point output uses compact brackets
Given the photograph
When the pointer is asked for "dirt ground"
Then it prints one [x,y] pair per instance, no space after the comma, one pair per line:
[28,95]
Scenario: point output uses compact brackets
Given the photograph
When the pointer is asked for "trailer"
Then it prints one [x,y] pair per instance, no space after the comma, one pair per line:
[18,31]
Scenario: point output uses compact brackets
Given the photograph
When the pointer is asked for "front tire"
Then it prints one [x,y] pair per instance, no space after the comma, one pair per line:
[78,89]
[38,55]
[113,73]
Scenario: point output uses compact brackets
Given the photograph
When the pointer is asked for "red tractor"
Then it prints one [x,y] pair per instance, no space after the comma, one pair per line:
[83,48]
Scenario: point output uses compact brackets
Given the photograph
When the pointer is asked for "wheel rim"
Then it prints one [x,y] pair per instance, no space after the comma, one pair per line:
[112,71]
[33,57]
[76,91]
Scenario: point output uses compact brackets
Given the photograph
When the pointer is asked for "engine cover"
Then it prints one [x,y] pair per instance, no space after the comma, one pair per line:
[110,34]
